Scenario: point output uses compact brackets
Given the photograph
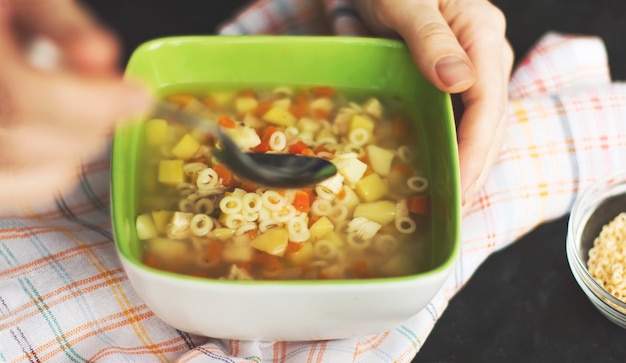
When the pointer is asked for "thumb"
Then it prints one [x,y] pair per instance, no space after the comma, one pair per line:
[433,45]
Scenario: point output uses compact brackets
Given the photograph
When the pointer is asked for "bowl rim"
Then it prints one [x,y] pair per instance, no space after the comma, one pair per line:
[181,40]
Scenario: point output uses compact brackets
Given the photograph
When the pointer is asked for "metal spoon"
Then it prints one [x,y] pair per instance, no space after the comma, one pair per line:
[267,169]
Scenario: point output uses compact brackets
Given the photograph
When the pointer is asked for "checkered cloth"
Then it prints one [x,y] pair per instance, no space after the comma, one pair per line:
[65,298]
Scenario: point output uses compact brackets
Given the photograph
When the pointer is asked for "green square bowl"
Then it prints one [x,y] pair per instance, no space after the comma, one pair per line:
[290,310]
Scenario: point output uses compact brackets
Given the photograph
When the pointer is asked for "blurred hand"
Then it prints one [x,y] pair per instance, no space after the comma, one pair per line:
[52,119]
[460,47]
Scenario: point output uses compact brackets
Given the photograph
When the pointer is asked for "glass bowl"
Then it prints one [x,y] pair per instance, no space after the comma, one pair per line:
[594,208]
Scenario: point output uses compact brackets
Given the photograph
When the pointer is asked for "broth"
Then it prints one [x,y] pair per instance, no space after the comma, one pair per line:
[371,220]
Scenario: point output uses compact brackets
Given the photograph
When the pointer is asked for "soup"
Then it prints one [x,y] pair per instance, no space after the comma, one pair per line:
[370,220]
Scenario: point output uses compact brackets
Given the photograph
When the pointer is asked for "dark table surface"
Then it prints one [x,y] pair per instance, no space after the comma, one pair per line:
[522,305]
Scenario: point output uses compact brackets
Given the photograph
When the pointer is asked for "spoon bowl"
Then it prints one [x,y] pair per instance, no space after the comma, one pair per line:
[267,169]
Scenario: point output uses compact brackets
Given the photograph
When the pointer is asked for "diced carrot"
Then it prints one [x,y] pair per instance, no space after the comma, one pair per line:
[313,218]
[226,122]
[263,147]
[248,186]
[181,99]
[252,234]
[402,168]
[300,106]
[293,247]
[323,91]
[210,102]
[261,108]
[360,268]
[151,260]
[308,152]
[247,93]
[419,204]
[226,176]
[298,147]
[320,113]
[301,201]
[214,251]
[341,194]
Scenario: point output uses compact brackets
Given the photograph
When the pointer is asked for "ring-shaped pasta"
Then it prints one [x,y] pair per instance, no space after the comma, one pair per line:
[200,225]
[204,206]
[405,225]
[417,183]
[278,141]
[251,203]
[245,227]
[186,205]
[207,179]
[287,213]
[231,204]
[185,189]
[267,224]
[321,207]
[405,154]
[192,169]
[359,136]
[351,148]
[385,244]
[298,230]
[234,221]
[338,212]
[272,200]
[354,240]
[324,249]
[324,193]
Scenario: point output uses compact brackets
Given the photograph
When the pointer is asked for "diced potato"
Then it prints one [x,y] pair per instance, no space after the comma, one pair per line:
[245,137]
[273,241]
[235,252]
[279,116]
[156,132]
[333,238]
[302,256]
[170,250]
[362,122]
[371,188]
[320,228]
[146,229]
[222,233]
[308,125]
[245,104]
[171,172]
[161,219]
[222,98]
[382,212]
[380,159]
[282,103]
[373,107]
[352,169]
[322,103]
[326,136]
[186,147]
[194,106]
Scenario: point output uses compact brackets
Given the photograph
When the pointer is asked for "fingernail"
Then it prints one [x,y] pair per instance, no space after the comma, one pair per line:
[453,70]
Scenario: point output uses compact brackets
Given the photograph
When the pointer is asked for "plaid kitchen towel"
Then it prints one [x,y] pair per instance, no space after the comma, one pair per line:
[65,298]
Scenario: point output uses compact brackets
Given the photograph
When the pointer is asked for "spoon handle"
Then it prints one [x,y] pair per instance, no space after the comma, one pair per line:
[187,119]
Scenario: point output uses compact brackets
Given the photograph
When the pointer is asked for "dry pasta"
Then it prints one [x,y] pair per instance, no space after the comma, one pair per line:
[607,257]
